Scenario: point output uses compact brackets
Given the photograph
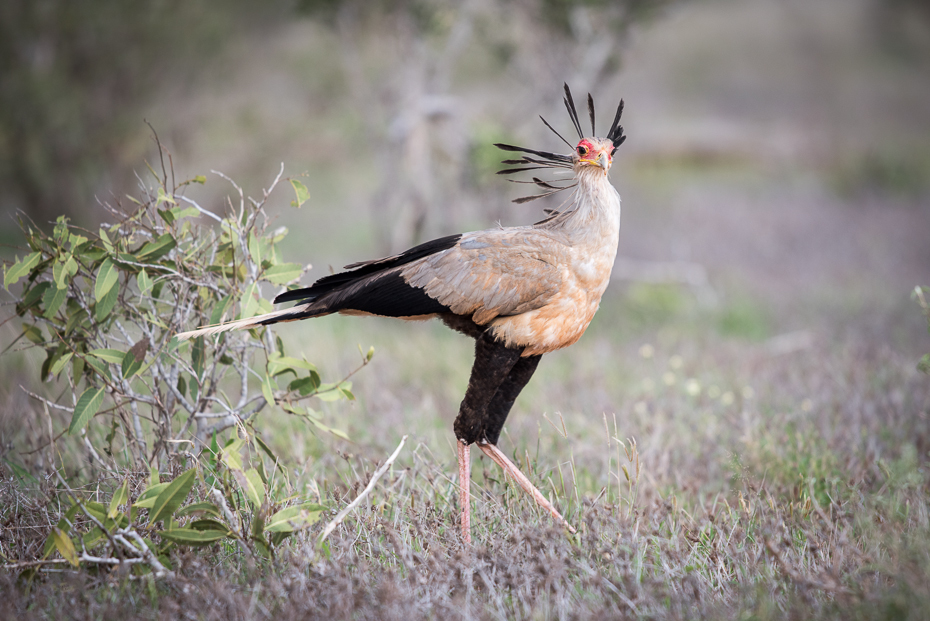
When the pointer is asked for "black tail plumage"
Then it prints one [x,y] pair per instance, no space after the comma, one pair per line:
[373,287]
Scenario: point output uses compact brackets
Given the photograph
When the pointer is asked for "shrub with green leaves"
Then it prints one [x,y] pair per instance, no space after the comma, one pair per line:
[104,306]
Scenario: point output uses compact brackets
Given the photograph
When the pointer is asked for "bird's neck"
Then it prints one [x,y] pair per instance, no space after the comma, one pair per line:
[595,205]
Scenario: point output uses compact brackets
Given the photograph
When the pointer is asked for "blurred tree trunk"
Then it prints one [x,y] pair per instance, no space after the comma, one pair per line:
[401,60]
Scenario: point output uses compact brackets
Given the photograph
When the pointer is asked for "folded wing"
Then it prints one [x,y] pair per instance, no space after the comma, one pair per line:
[491,273]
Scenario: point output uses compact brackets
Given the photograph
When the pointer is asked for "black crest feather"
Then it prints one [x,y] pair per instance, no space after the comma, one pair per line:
[591,112]
[534,159]
[615,135]
[555,132]
[570,106]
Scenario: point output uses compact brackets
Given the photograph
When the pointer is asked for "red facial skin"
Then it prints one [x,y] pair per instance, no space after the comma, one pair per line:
[589,151]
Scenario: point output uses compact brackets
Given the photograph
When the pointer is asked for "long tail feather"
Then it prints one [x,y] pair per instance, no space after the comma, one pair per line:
[287,314]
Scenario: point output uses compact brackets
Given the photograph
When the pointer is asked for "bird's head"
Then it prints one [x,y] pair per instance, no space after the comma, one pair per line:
[595,152]
[589,155]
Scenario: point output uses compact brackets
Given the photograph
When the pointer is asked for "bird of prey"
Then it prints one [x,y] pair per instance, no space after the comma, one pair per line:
[520,292]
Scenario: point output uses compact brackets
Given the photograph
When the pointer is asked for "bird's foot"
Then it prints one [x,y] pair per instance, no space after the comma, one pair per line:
[510,468]
[464,484]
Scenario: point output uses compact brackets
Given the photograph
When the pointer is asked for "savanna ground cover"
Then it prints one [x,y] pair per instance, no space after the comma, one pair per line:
[714,462]
[743,431]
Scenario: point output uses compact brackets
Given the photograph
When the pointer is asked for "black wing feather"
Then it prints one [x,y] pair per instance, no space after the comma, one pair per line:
[359,271]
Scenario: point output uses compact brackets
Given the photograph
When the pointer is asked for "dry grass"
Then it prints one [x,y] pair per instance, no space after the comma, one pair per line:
[759,485]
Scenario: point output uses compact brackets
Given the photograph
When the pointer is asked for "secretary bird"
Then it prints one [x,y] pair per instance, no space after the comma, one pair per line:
[520,291]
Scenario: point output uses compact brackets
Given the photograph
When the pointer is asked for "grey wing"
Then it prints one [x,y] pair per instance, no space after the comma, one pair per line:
[492,273]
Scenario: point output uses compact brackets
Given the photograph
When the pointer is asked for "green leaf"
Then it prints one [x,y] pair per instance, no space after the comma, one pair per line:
[220,309]
[33,333]
[329,394]
[267,450]
[77,240]
[292,518]
[110,355]
[86,407]
[268,390]
[20,269]
[92,538]
[120,497]
[21,473]
[336,432]
[162,197]
[156,249]
[53,354]
[147,498]
[303,194]
[65,546]
[33,295]
[105,305]
[255,249]
[62,271]
[249,301]
[77,318]
[186,213]
[210,524]
[60,232]
[282,364]
[64,525]
[107,276]
[191,537]
[304,385]
[60,364]
[172,496]
[231,454]
[251,483]
[283,273]
[143,281]
[198,357]
[199,507]
[258,529]
[201,179]
[99,511]
[100,367]
[52,300]
[130,365]
[106,240]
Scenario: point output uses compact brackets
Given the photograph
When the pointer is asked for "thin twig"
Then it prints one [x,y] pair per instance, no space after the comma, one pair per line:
[200,209]
[38,563]
[355,503]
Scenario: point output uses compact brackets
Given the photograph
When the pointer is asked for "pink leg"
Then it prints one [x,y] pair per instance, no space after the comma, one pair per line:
[501,460]
[464,484]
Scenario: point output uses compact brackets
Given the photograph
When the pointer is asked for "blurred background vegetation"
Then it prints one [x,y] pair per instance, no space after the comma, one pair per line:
[795,131]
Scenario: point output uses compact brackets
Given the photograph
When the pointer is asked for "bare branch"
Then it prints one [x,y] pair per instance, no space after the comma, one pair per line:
[355,503]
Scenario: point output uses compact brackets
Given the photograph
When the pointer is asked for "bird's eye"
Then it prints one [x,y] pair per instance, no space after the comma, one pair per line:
[582,150]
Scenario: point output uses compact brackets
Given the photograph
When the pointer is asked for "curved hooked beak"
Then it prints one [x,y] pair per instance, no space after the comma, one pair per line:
[603,160]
